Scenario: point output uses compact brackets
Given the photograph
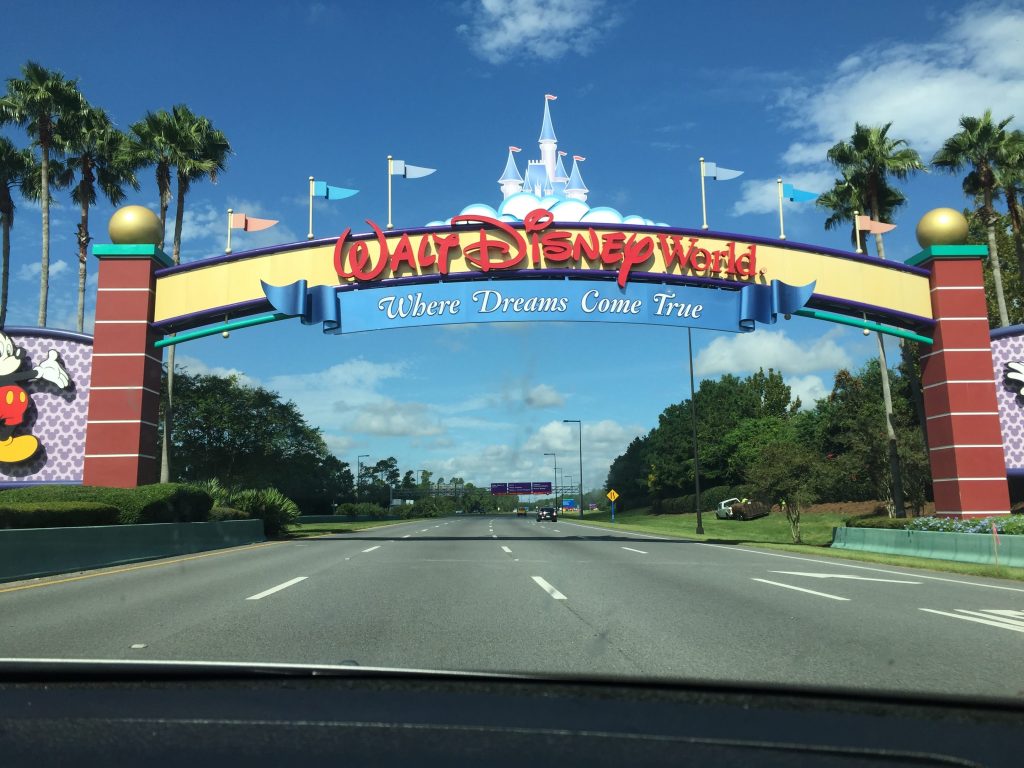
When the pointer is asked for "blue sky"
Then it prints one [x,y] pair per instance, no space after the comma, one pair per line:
[645,88]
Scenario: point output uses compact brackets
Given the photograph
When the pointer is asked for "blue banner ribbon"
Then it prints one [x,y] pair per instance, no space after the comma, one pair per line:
[319,304]
[764,303]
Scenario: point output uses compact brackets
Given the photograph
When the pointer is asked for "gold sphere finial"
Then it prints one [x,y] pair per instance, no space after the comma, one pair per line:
[942,226]
[134,225]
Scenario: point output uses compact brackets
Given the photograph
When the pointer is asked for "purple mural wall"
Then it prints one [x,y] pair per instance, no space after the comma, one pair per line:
[55,413]
[1008,348]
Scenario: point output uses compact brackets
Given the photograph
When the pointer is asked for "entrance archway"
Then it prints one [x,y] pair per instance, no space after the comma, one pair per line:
[480,269]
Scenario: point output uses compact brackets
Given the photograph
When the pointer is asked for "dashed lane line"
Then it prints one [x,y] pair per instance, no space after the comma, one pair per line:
[802,589]
[278,588]
[507,550]
[639,551]
[371,549]
[548,588]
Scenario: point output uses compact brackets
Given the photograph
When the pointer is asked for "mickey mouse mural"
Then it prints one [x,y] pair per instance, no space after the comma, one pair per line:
[14,401]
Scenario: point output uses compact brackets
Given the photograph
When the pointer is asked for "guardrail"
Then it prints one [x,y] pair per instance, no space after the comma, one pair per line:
[938,545]
[27,553]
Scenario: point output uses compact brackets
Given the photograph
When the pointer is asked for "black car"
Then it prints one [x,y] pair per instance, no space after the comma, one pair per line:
[547,513]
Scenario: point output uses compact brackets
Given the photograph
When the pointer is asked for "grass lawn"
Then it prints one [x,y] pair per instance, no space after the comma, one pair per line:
[772,532]
[305,530]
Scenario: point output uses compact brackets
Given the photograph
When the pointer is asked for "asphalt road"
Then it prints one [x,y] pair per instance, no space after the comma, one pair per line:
[511,594]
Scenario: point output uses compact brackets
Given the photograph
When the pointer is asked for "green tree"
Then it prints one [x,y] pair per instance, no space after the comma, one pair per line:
[977,232]
[784,474]
[43,102]
[98,154]
[1010,178]
[15,166]
[985,147]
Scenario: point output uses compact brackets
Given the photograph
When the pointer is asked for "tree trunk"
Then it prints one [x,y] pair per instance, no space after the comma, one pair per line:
[163,183]
[5,270]
[179,217]
[993,256]
[890,431]
[83,254]
[44,199]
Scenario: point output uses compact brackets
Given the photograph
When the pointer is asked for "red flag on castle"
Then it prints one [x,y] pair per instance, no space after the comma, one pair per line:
[515,149]
[580,158]
[549,97]
[246,224]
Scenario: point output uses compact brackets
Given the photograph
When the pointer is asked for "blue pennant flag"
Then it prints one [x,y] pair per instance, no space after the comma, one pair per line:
[764,303]
[795,195]
[319,304]
[326,191]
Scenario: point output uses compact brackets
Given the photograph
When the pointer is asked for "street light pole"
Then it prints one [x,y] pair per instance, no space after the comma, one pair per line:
[555,457]
[693,412]
[359,472]
[580,423]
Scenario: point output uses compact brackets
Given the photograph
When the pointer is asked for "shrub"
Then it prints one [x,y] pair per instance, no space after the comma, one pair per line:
[269,505]
[227,513]
[164,503]
[57,514]
[876,521]
[362,509]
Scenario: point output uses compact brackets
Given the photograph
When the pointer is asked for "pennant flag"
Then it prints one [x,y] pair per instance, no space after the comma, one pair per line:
[249,224]
[327,192]
[712,170]
[515,149]
[549,97]
[580,158]
[795,195]
[401,168]
[867,224]
[562,154]
[995,533]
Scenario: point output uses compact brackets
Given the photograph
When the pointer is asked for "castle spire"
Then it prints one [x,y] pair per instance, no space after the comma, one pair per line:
[548,142]
[576,189]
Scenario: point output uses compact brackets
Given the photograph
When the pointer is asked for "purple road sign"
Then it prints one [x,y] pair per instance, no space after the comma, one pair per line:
[520,487]
[499,489]
[540,487]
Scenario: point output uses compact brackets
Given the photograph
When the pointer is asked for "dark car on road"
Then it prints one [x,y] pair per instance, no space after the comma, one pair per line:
[547,513]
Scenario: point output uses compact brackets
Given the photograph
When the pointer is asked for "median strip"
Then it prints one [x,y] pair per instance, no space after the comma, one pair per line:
[278,588]
[548,588]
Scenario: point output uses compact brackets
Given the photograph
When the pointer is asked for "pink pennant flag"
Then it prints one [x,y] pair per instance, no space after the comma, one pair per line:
[581,158]
[249,224]
[867,224]
[515,149]
[995,533]
[549,97]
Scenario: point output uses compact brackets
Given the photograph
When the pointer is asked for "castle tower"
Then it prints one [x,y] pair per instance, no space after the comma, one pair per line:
[561,177]
[548,142]
[576,189]
[511,182]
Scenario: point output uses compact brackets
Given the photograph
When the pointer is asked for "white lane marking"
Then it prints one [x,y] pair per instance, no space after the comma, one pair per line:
[801,589]
[841,576]
[624,533]
[371,549]
[829,561]
[407,536]
[494,535]
[640,551]
[1007,617]
[549,589]
[424,530]
[978,619]
[137,646]
[507,550]
[278,588]
[556,530]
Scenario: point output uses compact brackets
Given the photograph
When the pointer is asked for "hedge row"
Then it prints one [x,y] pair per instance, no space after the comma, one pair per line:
[362,509]
[710,498]
[56,514]
[166,503]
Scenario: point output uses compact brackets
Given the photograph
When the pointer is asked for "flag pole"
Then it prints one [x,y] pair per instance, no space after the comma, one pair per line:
[228,249]
[703,197]
[310,235]
[782,229]
[390,166]
[856,231]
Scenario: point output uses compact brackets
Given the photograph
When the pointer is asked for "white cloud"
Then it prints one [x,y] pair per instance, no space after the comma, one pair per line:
[502,30]
[32,270]
[746,352]
[923,89]
[809,389]
[197,367]
[762,195]
[395,419]
[204,230]
[543,396]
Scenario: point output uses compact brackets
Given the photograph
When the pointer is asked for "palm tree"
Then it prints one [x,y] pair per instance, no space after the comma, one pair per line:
[15,166]
[1010,178]
[844,200]
[986,147]
[97,153]
[41,101]
[867,161]
[194,149]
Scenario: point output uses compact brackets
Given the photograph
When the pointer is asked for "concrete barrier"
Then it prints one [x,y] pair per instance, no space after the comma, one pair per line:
[27,553]
[938,545]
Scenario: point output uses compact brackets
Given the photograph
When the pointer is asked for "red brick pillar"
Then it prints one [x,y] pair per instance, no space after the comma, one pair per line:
[121,445]
[965,440]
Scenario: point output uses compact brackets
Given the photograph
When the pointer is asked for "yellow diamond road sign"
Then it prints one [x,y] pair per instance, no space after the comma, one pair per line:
[613,495]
